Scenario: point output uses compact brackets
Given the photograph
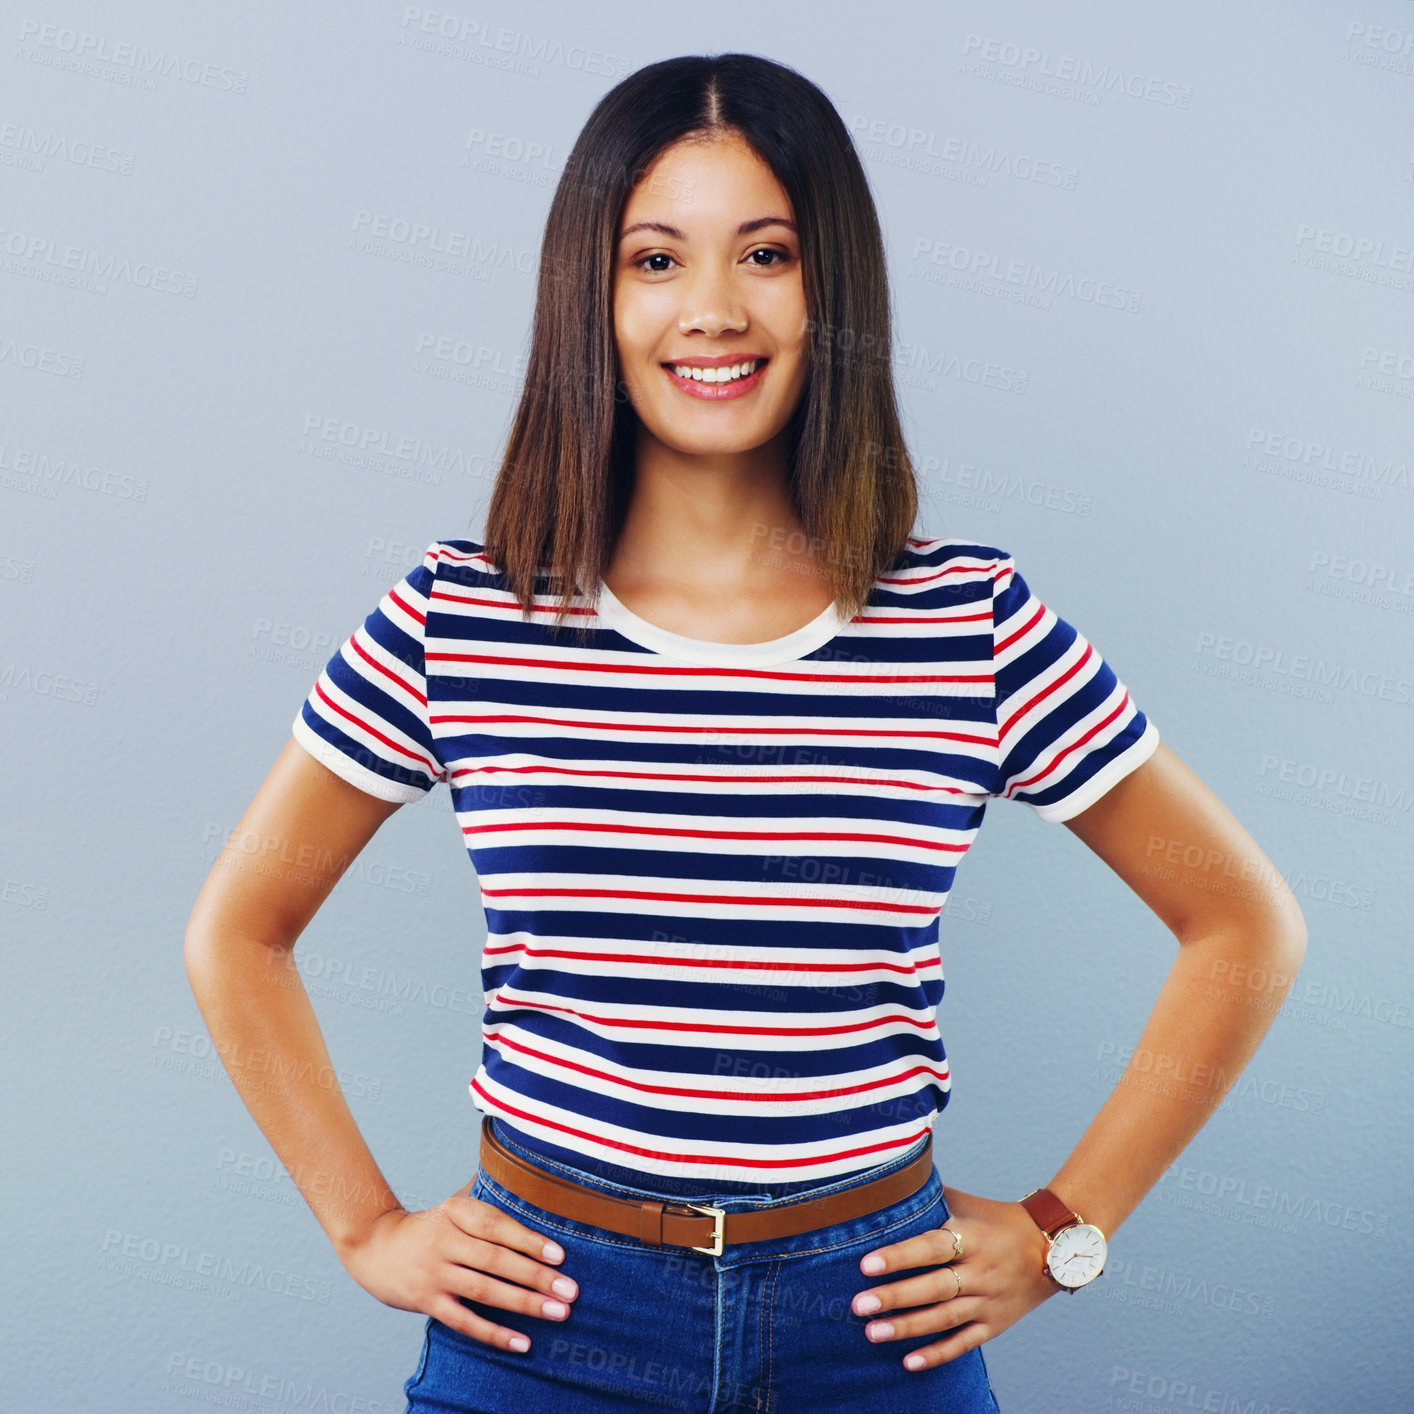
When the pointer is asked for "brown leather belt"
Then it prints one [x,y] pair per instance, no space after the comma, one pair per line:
[702,1227]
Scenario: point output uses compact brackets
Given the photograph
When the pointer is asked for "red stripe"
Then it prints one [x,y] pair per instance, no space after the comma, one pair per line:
[924,619]
[387,741]
[1045,692]
[712,1092]
[512,610]
[715,963]
[666,670]
[704,898]
[715,1028]
[789,1164]
[1075,746]
[938,574]
[387,672]
[695,728]
[405,606]
[1024,629]
[508,606]
[674,832]
[874,781]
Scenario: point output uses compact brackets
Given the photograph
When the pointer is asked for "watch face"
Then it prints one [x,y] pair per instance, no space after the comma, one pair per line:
[1077,1254]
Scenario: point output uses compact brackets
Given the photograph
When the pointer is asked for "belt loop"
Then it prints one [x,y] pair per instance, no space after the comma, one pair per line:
[650,1222]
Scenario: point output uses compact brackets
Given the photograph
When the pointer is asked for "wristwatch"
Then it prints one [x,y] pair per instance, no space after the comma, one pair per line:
[1078,1250]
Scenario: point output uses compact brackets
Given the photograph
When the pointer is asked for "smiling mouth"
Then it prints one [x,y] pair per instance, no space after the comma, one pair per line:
[728,373]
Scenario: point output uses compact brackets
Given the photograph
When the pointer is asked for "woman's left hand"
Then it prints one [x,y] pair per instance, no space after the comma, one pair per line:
[999,1270]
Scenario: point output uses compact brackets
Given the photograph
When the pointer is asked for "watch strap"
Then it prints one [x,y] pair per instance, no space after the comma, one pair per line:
[1048,1212]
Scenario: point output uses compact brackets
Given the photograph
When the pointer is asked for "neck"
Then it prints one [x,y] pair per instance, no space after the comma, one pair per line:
[713,520]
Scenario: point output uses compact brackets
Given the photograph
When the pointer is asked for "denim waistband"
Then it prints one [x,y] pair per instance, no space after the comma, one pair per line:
[616,1180]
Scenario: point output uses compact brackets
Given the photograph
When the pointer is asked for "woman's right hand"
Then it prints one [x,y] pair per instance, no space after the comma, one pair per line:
[423,1261]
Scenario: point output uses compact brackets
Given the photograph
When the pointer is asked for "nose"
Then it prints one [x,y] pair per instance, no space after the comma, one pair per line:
[710,304]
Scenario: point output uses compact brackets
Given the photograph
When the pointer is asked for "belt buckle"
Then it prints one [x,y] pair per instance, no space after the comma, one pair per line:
[718,1227]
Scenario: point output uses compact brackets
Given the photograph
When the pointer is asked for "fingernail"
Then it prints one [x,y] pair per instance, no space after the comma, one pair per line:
[881,1330]
[913,1362]
[564,1286]
[556,1310]
[553,1252]
[519,1342]
[872,1265]
[866,1304]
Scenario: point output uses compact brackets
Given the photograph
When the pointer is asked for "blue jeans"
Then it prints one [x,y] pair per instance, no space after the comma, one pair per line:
[766,1328]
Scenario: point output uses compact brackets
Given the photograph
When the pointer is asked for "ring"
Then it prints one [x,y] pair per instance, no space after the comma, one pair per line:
[958,1280]
[956,1243]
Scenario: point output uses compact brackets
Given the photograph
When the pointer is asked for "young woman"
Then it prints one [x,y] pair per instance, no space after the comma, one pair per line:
[719,729]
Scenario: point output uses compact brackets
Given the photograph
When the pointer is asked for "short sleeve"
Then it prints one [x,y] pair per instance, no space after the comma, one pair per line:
[365,718]
[1067,728]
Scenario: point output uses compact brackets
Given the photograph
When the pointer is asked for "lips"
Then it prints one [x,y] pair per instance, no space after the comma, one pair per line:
[713,391]
[712,369]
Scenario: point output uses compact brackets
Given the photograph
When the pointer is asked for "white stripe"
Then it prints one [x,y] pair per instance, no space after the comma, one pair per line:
[751,1159]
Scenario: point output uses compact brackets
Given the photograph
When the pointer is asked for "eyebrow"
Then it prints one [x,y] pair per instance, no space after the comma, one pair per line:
[672,232]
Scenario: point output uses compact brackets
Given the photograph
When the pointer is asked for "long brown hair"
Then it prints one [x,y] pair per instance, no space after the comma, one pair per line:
[565,478]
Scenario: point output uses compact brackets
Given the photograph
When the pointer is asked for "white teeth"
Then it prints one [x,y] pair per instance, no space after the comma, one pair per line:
[725,374]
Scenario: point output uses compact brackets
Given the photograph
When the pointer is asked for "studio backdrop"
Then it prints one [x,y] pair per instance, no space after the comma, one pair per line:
[266,279]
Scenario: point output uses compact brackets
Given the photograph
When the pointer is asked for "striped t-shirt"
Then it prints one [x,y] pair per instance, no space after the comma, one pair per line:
[712,873]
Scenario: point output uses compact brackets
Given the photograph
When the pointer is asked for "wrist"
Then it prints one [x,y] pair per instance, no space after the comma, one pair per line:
[351,1240]
[1075,1249]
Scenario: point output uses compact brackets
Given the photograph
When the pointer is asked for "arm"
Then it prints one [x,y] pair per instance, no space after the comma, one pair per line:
[1229,908]
[254,905]
[310,824]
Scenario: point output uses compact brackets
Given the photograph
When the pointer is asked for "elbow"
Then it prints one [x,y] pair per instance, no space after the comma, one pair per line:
[210,957]
[1294,933]
[1253,937]
[197,955]
[1287,925]
[1281,936]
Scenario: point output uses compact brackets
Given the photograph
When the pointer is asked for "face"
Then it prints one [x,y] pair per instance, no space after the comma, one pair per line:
[707,277]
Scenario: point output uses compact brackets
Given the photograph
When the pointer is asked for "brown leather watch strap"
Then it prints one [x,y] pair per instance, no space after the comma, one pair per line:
[1047,1211]
[656,1222]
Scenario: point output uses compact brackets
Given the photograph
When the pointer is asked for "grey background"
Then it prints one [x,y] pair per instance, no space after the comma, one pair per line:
[229,420]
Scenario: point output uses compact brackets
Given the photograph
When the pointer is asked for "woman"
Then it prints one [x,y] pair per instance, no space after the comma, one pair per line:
[715,825]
